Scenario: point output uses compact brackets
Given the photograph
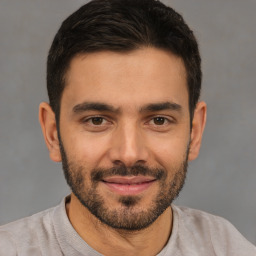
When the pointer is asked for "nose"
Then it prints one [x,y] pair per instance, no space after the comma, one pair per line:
[128,146]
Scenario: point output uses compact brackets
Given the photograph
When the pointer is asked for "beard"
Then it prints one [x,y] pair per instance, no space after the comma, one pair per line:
[130,215]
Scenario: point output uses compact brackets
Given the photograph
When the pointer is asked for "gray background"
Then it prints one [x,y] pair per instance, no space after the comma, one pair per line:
[221,181]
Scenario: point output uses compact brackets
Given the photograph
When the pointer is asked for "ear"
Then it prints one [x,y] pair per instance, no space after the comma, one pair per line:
[49,129]
[198,125]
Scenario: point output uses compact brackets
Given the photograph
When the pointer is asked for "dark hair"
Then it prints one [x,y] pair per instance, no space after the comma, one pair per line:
[122,26]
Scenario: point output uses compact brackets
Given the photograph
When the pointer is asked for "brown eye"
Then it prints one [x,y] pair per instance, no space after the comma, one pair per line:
[159,120]
[97,120]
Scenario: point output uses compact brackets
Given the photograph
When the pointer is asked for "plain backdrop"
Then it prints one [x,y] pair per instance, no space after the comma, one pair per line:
[221,181]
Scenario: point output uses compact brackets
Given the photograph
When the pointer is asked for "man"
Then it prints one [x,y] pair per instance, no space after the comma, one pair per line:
[123,79]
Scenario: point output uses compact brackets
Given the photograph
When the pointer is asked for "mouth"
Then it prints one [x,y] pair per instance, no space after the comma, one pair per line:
[128,185]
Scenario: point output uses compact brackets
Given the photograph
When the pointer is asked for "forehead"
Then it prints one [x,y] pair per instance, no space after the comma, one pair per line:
[128,79]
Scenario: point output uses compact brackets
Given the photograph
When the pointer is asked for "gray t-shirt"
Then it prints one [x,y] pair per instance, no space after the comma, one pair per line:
[194,232]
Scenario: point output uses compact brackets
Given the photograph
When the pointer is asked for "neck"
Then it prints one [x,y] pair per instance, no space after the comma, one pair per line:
[110,241]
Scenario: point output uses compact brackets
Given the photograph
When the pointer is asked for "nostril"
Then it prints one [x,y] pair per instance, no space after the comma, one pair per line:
[118,163]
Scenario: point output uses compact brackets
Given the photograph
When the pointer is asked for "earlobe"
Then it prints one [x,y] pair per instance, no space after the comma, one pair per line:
[198,125]
[49,129]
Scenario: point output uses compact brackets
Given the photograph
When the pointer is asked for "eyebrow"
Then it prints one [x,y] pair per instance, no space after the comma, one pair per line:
[153,107]
[87,106]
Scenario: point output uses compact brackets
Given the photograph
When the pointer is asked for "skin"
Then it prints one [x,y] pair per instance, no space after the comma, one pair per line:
[130,135]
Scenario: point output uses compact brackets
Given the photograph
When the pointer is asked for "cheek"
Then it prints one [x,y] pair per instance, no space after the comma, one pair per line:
[86,149]
[169,151]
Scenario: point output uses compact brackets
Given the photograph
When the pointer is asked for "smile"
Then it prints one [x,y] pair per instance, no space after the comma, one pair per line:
[129,185]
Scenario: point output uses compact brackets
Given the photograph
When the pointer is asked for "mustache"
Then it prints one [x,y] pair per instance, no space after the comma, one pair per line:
[102,173]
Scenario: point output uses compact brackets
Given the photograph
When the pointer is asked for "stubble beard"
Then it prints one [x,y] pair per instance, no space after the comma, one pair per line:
[130,216]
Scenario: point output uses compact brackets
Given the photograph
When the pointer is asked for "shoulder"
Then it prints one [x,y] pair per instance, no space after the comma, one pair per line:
[197,218]
[217,232]
[26,232]
[27,225]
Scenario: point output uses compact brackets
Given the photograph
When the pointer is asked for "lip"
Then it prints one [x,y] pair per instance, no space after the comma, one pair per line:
[128,185]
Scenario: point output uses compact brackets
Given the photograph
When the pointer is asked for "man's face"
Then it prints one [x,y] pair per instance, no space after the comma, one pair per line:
[125,133]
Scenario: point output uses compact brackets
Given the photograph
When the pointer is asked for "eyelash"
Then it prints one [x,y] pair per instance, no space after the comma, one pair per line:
[166,120]
[89,119]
